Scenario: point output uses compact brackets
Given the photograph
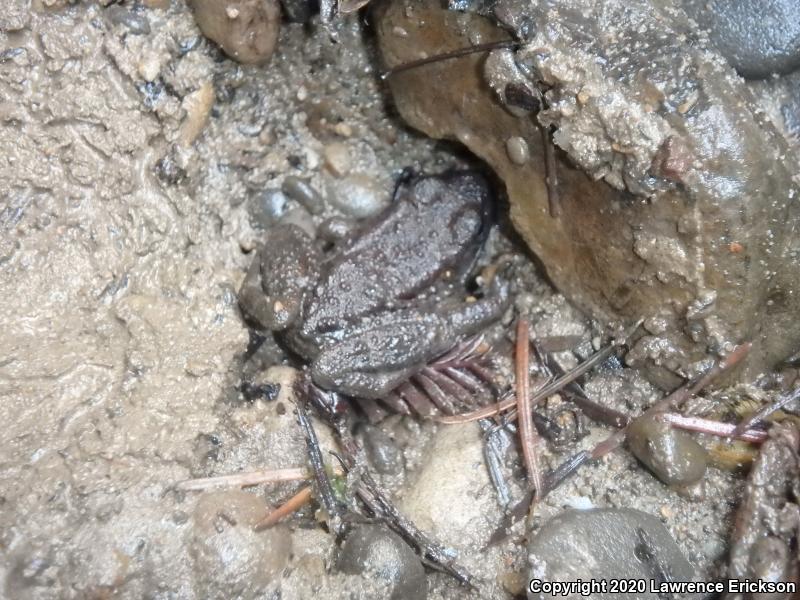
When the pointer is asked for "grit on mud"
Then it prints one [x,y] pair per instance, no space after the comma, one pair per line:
[139,167]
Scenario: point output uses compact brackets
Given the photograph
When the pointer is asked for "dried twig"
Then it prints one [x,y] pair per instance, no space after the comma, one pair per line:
[528,436]
[550,173]
[244,479]
[324,487]
[293,504]
[714,427]
[415,64]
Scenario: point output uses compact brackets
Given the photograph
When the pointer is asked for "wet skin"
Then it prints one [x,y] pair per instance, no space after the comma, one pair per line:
[385,301]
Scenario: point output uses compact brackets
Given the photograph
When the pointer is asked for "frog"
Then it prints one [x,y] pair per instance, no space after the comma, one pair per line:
[377,307]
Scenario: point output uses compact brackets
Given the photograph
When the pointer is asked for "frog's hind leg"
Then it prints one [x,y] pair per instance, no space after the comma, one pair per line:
[384,354]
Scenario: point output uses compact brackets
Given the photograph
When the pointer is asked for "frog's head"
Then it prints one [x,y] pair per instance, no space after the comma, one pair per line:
[458,201]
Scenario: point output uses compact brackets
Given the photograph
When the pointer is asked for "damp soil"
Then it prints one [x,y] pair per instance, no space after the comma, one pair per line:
[135,161]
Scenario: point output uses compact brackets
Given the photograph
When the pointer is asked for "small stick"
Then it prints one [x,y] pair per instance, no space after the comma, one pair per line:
[243,479]
[324,487]
[686,391]
[414,64]
[292,505]
[550,173]
[714,427]
[765,412]
[528,435]
[492,454]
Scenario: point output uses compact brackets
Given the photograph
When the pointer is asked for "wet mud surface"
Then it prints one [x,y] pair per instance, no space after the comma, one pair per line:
[139,168]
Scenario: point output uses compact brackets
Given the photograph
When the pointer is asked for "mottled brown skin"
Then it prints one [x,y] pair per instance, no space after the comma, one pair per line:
[385,301]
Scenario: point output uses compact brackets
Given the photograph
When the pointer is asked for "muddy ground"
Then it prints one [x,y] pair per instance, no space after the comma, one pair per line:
[134,158]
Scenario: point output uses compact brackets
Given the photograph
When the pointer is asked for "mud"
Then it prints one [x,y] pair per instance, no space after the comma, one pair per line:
[133,153]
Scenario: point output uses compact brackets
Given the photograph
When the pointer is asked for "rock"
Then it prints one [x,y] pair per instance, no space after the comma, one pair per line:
[246,30]
[378,553]
[242,561]
[135,23]
[266,208]
[757,37]
[302,218]
[450,496]
[671,191]
[304,193]
[672,455]
[382,452]
[337,158]
[517,149]
[605,544]
[334,229]
[358,195]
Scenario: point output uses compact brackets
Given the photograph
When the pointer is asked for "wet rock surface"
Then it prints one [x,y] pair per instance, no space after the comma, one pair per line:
[757,38]
[672,455]
[229,556]
[693,224]
[605,544]
[378,553]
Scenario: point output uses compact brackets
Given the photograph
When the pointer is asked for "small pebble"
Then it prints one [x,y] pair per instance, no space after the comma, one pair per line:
[246,30]
[517,149]
[334,229]
[304,193]
[672,455]
[135,23]
[382,451]
[302,218]
[377,552]
[358,195]
[337,159]
[266,208]
[343,129]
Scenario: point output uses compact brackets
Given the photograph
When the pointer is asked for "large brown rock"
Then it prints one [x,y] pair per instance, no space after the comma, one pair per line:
[676,194]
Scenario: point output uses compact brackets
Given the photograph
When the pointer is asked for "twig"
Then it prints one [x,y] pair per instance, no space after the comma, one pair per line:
[414,64]
[293,504]
[244,479]
[550,173]
[714,427]
[528,435]
[324,487]
[765,412]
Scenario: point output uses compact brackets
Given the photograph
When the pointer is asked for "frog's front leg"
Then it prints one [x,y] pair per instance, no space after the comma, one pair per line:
[387,351]
[276,282]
